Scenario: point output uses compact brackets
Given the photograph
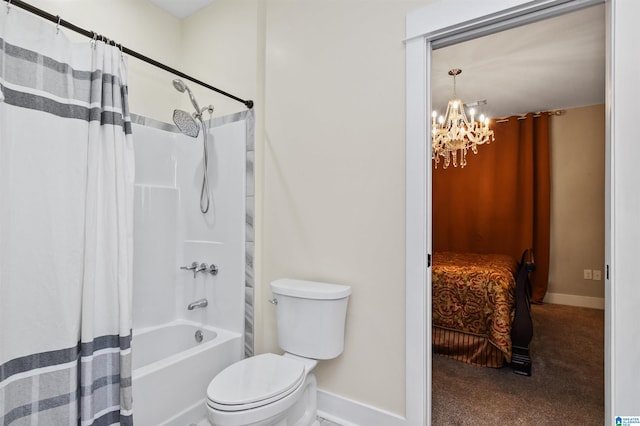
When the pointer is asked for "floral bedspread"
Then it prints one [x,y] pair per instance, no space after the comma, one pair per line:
[475,293]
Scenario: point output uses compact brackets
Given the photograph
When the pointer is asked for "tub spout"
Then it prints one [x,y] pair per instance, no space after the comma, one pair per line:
[202,303]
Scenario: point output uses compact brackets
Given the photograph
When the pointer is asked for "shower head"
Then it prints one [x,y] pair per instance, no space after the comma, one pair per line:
[181,87]
[186,123]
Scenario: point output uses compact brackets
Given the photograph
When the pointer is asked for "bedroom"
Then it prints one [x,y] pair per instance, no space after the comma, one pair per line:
[514,72]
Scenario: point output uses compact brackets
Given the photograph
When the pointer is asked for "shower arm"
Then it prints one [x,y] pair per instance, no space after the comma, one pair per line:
[208,108]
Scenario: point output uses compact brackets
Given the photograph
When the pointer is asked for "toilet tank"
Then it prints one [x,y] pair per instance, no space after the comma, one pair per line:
[311,317]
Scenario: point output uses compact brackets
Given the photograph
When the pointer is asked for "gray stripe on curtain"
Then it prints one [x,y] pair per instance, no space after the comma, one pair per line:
[99,383]
[59,404]
[40,103]
[61,356]
[44,404]
[102,342]
[53,391]
[56,78]
[34,361]
[14,51]
[52,76]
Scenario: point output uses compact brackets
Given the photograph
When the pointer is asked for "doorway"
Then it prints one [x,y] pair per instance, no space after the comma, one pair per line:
[434,24]
[506,74]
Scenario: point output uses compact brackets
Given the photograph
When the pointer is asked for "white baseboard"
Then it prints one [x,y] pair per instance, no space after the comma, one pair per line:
[347,412]
[573,300]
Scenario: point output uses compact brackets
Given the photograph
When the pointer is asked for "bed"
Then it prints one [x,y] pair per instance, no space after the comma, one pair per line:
[481,310]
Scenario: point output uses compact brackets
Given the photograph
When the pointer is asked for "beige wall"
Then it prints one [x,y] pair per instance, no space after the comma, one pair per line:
[140,26]
[577,200]
[334,170]
[222,45]
[329,89]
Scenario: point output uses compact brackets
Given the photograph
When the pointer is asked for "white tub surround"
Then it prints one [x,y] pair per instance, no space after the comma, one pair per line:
[171,369]
[172,232]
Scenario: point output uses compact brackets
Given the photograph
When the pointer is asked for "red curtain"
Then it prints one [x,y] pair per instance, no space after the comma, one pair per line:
[499,203]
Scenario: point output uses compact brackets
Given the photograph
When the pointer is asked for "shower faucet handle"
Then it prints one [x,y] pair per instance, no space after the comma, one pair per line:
[202,267]
[193,267]
[212,269]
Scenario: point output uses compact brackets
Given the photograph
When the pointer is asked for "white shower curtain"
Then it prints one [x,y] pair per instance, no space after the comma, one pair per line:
[66,217]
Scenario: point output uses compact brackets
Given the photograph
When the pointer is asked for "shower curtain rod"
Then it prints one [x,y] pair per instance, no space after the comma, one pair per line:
[92,35]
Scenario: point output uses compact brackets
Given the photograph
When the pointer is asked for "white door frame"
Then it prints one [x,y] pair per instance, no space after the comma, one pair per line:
[451,18]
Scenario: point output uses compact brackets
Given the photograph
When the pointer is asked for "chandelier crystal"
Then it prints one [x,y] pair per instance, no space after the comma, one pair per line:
[453,134]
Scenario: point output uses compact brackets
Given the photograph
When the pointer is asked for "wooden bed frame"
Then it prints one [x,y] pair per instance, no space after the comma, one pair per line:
[522,325]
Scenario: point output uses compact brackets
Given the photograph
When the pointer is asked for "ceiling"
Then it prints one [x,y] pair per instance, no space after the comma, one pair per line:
[182,8]
[552,64]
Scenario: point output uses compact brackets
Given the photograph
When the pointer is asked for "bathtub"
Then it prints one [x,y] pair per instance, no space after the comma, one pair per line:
[171,370]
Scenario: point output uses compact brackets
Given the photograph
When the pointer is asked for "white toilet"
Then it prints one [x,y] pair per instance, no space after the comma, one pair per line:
[280,390]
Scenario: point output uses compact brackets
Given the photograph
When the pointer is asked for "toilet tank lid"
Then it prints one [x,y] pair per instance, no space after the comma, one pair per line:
[309,289]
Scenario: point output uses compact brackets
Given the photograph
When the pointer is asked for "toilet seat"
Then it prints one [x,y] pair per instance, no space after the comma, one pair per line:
[254,382]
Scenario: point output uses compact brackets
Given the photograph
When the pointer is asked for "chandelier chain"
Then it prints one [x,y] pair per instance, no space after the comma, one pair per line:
[455,94]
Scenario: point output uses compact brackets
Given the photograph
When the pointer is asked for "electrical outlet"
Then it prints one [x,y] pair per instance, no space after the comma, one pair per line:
[587,274]
[597,275]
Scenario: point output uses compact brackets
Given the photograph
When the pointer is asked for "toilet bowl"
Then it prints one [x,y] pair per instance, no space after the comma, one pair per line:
[263,390]
[280,390]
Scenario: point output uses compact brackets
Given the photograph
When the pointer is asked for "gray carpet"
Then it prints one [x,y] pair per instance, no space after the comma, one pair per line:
[566,386]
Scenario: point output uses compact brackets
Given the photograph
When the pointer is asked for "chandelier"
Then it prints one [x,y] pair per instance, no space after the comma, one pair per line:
[454,134]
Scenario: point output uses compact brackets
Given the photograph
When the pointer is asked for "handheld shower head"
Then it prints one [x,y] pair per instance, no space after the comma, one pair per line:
[187,124]
[181,87]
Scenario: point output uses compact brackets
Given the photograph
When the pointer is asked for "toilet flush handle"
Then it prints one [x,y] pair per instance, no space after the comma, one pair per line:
[273,301]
